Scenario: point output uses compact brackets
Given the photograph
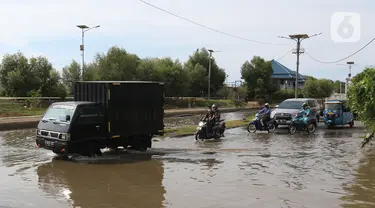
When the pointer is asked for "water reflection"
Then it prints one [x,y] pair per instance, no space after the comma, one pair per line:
[337,134]
[361,192]
[136,184]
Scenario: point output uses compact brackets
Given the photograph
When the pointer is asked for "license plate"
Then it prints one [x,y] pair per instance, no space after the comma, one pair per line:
[49,143]
[281,121]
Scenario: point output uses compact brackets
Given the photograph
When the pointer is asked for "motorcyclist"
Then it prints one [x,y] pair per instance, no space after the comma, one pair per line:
[216,113]
[305,112]
[266,111]
[215,118]
[208,114]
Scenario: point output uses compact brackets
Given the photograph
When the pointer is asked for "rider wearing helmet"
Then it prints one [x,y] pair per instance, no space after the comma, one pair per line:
[215,118]
[215,112]
[266,114]
[306,113]
[208,114]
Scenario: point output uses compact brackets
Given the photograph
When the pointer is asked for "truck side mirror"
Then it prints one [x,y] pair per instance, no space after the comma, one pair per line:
[67,118]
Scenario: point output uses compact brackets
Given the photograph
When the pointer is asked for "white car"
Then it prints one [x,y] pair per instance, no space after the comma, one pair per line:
[284,112]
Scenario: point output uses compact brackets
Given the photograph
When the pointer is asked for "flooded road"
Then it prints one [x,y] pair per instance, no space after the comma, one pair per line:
[326,169]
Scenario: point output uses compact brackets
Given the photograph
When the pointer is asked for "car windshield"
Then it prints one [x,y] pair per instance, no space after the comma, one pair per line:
[288,104]
[333,106]
[59,113]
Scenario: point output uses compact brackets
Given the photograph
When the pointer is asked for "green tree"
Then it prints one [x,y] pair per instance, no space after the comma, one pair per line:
[257,75]
[362,101]
[200,60]
[71,74]
[15,75]
[174,76]
[318,88]
[117,64]
[224,92]
[164,70]
[19,75]
[198,82]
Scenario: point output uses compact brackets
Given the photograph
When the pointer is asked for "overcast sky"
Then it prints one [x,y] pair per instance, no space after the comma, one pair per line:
[48,27]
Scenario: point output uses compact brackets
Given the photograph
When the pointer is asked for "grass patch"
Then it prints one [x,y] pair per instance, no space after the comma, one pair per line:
[12,108]
[190,130]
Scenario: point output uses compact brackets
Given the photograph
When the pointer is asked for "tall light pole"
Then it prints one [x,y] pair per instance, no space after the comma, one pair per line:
[298,38]
[209,74]
[84,29]
[350,63]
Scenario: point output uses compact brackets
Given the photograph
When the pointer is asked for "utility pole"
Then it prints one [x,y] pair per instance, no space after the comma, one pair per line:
[84,29]
[350,63]
[209,72]
[209,75]
[298,38]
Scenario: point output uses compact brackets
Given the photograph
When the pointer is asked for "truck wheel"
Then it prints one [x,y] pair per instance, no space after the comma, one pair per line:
[60,156]
[92,149]
[141,143]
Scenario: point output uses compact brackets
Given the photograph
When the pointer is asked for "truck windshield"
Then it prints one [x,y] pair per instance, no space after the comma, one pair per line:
[59,113]
[288,104]
[333,106]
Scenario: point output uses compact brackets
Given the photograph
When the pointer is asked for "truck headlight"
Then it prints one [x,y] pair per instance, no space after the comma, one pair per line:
[37,132]
[65,137]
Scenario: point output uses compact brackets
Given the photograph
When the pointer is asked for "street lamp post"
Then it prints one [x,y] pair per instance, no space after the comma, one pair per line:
[209,72]
[84,29]
[209,75]
[298,38]
[350,63]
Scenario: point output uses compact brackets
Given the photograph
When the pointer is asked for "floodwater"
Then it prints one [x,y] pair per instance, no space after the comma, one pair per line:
[327,169]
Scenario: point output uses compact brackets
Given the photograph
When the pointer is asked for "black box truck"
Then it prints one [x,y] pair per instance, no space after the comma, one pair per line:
[104,114]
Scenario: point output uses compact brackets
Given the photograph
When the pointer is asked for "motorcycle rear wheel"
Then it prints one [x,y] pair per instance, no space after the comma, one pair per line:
[311,128]
[271,127]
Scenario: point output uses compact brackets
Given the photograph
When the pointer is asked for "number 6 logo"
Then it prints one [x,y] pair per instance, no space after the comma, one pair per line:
[345,27]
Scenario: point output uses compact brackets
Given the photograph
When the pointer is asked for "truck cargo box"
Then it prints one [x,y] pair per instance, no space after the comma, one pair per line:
[131,107]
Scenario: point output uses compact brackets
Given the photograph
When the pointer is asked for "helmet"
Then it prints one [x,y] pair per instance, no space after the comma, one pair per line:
[214,106]
[304,105]
[266,105]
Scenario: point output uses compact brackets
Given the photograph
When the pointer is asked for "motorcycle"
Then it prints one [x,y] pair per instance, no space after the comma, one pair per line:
[256,124]
[299,125]
[204,133]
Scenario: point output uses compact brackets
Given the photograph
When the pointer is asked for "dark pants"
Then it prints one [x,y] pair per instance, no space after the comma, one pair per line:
[264,120]
[210,126]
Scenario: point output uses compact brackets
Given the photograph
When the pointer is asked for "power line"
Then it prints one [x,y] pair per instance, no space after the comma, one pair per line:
[285,54]
[333,62]
[215,30]
[298,38]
